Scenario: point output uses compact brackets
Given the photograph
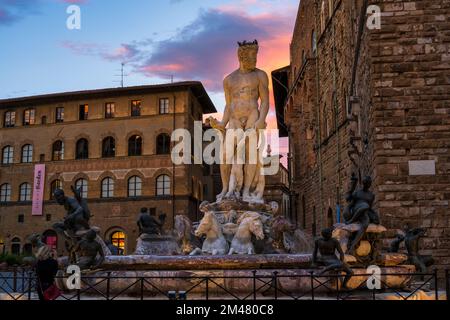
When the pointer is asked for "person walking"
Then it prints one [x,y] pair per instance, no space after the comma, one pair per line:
[46,269]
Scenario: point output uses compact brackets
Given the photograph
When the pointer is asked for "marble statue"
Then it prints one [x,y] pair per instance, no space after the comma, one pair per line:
[249,224]
[327,247]
[243,90]
[215,242]
[360,210]
[184,234]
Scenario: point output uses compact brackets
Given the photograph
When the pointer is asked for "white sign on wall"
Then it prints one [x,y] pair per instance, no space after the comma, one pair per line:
[422,167]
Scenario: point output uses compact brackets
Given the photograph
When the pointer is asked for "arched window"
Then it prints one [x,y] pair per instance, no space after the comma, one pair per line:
[56,184]
[15,246]
[163,144]
[50,238]
[135,146]
[107,188]
[163,185]
[58,151]
[135,186]
[5,192]
[8,155]
[25,192]
[118,240]
[82,185]
[109,147]
[27,153]
[82,150]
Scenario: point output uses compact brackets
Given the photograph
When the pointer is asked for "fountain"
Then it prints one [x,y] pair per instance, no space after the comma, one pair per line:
[243,233]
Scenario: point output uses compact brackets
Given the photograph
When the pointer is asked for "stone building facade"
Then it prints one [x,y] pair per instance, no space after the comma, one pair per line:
[114,144]
[373,101]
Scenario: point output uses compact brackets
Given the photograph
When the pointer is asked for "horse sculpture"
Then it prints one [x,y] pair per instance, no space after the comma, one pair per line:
[242,242]
[215,242]
[184,234]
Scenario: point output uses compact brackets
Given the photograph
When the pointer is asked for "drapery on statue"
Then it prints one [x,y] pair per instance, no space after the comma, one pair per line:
[243,90]
[359,209]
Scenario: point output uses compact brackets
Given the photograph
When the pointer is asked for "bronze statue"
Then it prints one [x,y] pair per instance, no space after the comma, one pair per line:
[411,239]
[78,214]
[360,209]
[327,246]
[88,249]
[148,224]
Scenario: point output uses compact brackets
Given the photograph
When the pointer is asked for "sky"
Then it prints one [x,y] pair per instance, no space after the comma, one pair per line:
[156,39]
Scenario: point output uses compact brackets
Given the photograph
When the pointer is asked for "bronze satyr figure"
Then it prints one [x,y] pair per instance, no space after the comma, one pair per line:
[327,246]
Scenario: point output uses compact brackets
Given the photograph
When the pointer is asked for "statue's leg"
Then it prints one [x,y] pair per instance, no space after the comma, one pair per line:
[330,267]
[373,216]
[364,221]
[348,274]
[251,155]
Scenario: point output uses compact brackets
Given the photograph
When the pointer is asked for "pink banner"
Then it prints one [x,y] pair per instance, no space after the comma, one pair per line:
[38,189]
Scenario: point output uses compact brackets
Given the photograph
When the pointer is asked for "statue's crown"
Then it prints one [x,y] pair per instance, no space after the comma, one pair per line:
[247,43]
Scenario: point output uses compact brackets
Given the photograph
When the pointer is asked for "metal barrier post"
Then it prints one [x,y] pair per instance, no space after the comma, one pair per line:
[312,284]
[254,284]
[108,284]
[275,282]
[436,284]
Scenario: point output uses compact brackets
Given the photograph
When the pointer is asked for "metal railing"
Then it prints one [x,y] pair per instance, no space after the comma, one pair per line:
[20,284]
